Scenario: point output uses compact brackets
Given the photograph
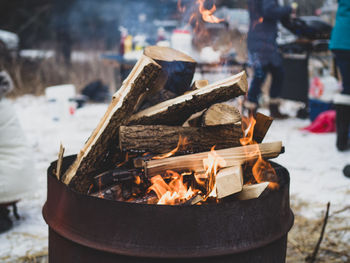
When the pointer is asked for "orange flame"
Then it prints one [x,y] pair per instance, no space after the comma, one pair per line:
[207,14]
[181,144]
[208,180]
[248,125]
[262,170]
[174,193]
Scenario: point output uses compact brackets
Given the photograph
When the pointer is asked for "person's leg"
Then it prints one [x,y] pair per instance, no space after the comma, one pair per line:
[277,75]
[342,101]
[255,88]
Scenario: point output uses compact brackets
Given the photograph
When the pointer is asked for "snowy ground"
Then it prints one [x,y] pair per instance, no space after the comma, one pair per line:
[314,164]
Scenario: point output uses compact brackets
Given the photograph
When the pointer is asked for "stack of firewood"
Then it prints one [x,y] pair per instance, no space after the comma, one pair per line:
[157,107]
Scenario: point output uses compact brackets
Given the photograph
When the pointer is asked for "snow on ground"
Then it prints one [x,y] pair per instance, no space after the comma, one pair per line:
[314,164]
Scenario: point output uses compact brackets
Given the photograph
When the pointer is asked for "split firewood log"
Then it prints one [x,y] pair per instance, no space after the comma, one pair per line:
[221,113]
[232,157]
[162,139]
[229,181]
[175,111]
[102,145]
[262,125]
[252,191]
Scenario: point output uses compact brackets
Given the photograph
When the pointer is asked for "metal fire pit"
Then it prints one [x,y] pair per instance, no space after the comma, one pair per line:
[87,229]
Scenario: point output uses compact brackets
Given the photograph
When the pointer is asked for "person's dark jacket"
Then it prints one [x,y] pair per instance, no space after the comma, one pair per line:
[264,15]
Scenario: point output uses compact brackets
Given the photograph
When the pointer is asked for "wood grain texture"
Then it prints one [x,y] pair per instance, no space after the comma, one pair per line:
[102,145]
[232,156]
[175,111]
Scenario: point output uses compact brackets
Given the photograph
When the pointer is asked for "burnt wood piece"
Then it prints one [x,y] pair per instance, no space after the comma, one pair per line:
[102,145]
[115,176]
[110,193]
[175,111]
[178,67]
[150,198]
[232,156]
[139,161]
[262,125]
[162,139]
[220,114]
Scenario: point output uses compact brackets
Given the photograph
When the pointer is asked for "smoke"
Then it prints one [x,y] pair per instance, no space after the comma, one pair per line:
[89,20]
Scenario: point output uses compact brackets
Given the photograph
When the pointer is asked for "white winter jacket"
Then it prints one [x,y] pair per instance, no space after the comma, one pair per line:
[16,166]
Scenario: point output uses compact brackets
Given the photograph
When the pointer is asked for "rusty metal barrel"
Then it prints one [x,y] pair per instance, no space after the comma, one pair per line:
[88,229]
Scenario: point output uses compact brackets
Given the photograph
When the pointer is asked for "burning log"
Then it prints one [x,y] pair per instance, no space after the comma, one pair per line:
[232,156]
[229,181]
[101,145]
[220,114]
[262,125]
[176,111]
[160,138]
[252,191]
[177,67]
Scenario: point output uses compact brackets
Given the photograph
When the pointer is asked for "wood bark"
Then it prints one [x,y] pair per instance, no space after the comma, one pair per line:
[102,144]
[176,111]
[262,125]
[162,139]
[232,156]
[221,113]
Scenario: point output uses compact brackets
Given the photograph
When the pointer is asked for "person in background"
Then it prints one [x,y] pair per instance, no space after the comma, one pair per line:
[263,52]
[340,46]
[16,165]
